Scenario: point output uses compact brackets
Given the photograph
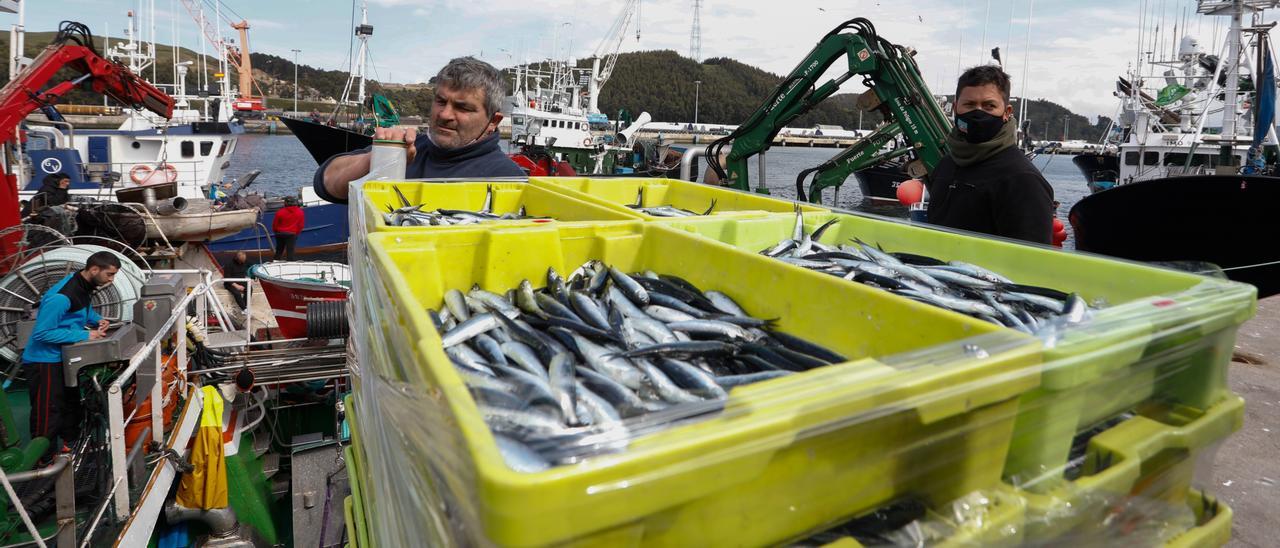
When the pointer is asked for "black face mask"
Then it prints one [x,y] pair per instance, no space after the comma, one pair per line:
[976,126]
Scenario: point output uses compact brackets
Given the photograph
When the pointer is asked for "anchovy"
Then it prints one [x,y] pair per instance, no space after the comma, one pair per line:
[456,304]
[690,377]
[730,381]
[520,457]
[625,401]
[524,356]
[682,349]
[468,329]
[563,386]
[588,310]
[711,327]
[608,363]
[724,303]
[629,287]
[489,348]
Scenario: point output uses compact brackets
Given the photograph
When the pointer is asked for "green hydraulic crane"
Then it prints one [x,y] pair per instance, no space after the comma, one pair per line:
[896,90]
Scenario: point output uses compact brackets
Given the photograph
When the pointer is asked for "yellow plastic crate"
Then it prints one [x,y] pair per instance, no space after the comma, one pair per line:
[783,457]
[1213,523]
[1165,334]
[619,192]
[1152,455]
[508,197]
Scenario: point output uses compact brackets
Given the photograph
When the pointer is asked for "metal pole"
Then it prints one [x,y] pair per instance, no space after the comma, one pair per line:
[697,87]
[760,183]
[64,496]
[157,398]
[295,79]
[115,416]
[1026,58]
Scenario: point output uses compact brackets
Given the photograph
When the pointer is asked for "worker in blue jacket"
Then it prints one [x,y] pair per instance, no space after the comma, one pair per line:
[65,317]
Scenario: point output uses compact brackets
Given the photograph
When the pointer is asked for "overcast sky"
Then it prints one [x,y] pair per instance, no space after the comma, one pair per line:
[1077,48]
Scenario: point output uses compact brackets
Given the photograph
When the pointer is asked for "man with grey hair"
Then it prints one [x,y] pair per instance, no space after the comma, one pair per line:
[462,140]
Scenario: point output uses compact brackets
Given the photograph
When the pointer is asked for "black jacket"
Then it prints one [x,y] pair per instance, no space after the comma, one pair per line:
[481,159]
[50,194]
[1004,195]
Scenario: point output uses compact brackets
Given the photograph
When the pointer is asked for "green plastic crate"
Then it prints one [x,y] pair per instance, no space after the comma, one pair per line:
[845,438]
[1152,455]
[1166,334]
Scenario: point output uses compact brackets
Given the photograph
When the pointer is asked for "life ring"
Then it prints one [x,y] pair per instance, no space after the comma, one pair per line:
[586,142]
[142,174]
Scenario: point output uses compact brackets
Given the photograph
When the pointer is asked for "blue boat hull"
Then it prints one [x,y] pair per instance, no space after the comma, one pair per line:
[324,236]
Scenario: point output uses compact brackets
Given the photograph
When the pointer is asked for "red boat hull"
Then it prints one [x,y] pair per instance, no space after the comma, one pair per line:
[289,299]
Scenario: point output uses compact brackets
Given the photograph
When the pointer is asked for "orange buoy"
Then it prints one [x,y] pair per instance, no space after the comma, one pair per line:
[910,192]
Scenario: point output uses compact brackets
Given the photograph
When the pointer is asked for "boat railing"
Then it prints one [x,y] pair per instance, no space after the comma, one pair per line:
[64,496]
[150,355]
[149,358]
[187,173]
[1179,171]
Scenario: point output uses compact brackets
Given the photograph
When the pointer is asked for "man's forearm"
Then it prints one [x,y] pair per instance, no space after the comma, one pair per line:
[342,170]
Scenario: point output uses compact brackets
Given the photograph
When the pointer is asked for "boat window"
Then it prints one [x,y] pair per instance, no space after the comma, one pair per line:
[206,147]
[188,149]
[516,120]
[1180,159]
[222,150]
[1148,159]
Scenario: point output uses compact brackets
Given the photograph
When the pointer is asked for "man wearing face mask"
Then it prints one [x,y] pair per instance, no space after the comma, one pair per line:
[462,142]
[986,184]
[65,316]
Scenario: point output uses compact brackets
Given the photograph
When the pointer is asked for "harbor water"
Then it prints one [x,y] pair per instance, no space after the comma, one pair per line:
[286,166]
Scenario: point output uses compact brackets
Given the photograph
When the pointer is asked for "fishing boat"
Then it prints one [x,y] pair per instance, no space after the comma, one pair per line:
[192,149]
[1186,194]
[324,141]
[326,138]
[276,432]
[291,285]
[879,183]
[1100,169]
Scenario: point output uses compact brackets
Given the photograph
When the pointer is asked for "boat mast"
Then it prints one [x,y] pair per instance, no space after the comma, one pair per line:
[1229,113]
[363,32]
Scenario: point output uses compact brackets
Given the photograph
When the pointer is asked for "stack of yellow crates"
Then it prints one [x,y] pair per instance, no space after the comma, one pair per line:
[1059,435]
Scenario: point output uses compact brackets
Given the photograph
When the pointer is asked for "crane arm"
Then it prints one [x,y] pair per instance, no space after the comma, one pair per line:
[26,93]
[612,43]
[886,69]
[22,95]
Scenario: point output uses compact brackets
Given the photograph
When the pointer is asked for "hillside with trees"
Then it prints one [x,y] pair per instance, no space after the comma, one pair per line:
[660,82]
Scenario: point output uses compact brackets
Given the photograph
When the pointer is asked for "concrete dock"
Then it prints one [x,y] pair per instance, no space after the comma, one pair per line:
[1246,472]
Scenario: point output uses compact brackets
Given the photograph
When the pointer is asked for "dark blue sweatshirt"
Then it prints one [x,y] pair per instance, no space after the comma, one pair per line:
[480,159]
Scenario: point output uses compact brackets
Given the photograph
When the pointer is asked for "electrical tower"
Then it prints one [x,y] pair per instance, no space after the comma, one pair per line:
[695,35]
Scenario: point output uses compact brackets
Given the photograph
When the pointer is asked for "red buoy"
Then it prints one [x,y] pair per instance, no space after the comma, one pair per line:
[910,191]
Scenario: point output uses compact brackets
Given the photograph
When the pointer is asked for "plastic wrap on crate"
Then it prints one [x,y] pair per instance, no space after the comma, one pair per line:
[930,408]
[948,408]
[992,518]
[1153,333]
[656,198]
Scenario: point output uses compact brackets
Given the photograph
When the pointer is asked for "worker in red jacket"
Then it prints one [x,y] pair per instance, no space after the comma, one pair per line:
[287,226]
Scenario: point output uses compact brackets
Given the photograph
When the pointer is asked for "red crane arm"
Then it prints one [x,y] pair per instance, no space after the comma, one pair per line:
[22,95]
